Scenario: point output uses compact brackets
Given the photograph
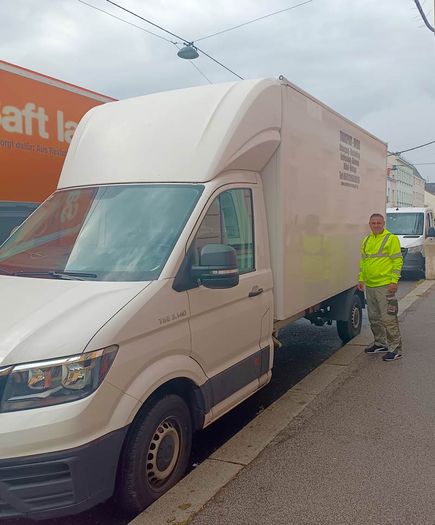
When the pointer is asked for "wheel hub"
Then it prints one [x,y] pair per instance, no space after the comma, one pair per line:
[165,453]
[355,317]
[162,453]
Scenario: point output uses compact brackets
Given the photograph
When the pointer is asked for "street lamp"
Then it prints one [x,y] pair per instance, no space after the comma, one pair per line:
[189,52]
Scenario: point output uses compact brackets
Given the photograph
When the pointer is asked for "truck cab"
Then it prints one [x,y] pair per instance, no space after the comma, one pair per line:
[411,225]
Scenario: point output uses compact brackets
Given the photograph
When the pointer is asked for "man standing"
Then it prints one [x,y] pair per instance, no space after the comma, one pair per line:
[381,262]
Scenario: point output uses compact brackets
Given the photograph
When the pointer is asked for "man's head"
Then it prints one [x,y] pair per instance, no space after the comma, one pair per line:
[377,223]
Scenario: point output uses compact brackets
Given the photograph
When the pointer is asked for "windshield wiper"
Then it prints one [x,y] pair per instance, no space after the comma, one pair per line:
[71,276]
[79,276]
[5,272]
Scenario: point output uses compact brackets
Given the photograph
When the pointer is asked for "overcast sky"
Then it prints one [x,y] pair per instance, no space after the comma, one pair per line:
[371,60]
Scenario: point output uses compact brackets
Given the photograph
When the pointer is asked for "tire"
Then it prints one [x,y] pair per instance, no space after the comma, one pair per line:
[350,328]
[156,453]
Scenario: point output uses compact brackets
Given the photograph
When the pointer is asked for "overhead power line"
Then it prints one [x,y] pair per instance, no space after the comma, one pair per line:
[411,149]
[145,30]
[424,17]
[186,41]
[125,21]
[254,20]
[145,20]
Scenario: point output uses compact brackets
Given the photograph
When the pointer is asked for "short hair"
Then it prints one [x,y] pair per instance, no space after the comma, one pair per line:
[377,215]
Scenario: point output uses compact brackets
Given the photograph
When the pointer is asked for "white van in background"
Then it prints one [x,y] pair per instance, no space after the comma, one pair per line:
[411,225]
[140,301]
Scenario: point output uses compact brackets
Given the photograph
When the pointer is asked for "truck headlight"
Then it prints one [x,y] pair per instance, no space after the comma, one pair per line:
[44,383]
[414,249]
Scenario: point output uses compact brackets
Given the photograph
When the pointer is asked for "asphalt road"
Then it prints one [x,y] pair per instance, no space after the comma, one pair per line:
[304,348]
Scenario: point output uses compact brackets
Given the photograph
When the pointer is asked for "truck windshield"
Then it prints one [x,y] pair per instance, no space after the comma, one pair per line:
[405,223]
[104,233]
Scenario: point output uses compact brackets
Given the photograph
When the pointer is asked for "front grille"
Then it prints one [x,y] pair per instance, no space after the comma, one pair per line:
[3,380]
[35,487]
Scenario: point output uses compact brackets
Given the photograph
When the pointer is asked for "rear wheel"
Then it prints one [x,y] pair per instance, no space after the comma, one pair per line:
[156,454]
[351,327]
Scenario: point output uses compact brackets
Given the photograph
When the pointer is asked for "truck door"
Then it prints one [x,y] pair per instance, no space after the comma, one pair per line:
[227,325]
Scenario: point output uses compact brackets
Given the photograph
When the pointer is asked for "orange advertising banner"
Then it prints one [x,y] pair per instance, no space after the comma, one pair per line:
[38,116]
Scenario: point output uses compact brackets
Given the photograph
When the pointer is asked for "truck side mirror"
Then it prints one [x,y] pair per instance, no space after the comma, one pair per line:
[217,267]
[431,232]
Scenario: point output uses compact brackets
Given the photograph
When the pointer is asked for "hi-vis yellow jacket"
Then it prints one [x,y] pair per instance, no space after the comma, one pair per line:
[381,259]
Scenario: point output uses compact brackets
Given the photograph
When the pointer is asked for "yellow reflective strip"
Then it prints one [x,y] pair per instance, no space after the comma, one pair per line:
[396,271]
[366,240]
[384,242]
[395,255]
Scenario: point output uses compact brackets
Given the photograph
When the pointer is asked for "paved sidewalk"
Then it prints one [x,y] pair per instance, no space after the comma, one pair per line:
[366,457]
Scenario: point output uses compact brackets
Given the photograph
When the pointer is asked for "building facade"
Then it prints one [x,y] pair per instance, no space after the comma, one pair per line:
[391,187]
[405,185]
[429,200]
[430,187]
[429,195]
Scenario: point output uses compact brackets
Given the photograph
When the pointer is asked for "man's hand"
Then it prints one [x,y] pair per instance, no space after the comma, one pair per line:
[392,288]
[360,286]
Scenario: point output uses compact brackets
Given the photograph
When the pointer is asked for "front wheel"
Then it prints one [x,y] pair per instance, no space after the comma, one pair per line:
[351,327]
[156,453]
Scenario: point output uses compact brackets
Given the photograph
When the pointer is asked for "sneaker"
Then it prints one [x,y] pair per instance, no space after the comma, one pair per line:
[374,349]
[391,356]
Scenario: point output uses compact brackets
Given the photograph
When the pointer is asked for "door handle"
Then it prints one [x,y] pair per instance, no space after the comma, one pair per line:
[255,291]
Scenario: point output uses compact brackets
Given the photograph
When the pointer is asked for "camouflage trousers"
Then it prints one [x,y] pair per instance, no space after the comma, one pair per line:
[382,309]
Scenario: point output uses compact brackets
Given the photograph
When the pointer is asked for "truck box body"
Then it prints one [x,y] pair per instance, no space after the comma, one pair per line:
[38,116]
[144,294]
[325,179]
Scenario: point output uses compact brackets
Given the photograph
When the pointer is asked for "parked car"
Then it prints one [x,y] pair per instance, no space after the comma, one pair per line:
[12,214]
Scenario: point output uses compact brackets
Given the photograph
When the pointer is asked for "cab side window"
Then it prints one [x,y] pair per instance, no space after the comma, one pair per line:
[229,220]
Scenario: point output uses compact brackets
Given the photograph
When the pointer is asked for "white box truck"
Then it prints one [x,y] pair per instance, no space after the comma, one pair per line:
[140,300]
[412,225]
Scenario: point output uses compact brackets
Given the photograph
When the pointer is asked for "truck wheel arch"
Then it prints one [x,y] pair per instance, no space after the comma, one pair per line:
[340,304]
[194,396]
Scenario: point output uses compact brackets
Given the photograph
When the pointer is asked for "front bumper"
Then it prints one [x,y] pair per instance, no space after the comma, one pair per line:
[60,483]
[413,262]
